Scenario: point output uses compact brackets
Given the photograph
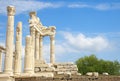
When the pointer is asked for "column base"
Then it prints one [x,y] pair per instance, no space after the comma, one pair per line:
[10,72]
[29,70]
[6,77]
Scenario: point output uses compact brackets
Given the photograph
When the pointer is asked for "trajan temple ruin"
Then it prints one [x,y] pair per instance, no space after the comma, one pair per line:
[35,66]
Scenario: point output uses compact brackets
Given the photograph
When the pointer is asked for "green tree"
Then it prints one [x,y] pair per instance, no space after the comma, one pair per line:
[93,64]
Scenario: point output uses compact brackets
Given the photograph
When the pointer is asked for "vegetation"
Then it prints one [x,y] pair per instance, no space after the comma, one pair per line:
[93,64]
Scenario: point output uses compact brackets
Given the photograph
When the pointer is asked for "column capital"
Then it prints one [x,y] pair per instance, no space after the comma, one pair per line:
[52,37]
[11,10]
[41,36]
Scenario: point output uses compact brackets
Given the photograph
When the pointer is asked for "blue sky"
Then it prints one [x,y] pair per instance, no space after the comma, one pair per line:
[84,27]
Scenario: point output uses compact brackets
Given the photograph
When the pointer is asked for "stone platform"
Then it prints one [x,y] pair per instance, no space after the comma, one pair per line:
[66,68]
[72,78]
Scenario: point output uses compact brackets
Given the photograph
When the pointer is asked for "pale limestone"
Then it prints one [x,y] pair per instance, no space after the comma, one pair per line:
[5,77]
[18,49]
[66,67]
[96,74]
[52,49]
[105,73]
[89,74]
[37,45]
[32,33]
[35,24]
[9,41]
[28,67]
[41,49]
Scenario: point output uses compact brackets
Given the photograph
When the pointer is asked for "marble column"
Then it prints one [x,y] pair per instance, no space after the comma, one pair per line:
[0,60]
[37,45]
[52,51]
[41,48]
[8,64]
[28,66]
[18,49]
[32,33]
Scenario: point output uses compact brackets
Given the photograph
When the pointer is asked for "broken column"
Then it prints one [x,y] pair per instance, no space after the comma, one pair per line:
[18,49]
[52,53]
[0,60]
[28,66]
[9,41]
[37,45]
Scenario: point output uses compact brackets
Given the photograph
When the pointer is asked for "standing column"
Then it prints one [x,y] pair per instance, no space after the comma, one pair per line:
[37,45]
[9,41]
[32,32]
[52,53]
[41,50]
[0,60]
[28,66]
[18,49]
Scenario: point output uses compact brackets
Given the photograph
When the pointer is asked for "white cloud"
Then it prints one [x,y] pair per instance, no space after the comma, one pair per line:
[100,6]
[80,42]
[103,7]
[23,6]
[81,5]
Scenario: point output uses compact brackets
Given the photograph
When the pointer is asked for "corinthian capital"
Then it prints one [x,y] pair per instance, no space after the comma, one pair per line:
[52,37]
[11,10]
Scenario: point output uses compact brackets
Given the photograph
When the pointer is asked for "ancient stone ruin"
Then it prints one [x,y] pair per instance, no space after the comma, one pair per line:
[34,64]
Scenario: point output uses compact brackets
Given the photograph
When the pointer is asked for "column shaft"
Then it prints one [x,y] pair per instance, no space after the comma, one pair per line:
[41,48]
[28,66]
[32,32]
[18,49]
[37,45]
[9,41]
[52,53]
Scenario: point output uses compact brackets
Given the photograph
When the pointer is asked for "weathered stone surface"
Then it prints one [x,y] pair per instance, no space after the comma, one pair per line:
[105,73]
[9,41]
[62,68]
[70,78]
[28,66]
[89,74]
[18,50]
[41,65]
[6,77]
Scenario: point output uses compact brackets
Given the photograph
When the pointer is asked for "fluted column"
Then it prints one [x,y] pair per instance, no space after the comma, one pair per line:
[18,49]
[28,66]
[32,32]
[52,51]
[9,41]
[0,60]
[37,45]
[41,48]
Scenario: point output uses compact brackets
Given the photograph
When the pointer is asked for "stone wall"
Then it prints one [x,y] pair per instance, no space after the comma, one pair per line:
[73,78]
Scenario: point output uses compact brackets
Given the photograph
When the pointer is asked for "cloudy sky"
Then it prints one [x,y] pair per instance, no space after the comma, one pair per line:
[84,27]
